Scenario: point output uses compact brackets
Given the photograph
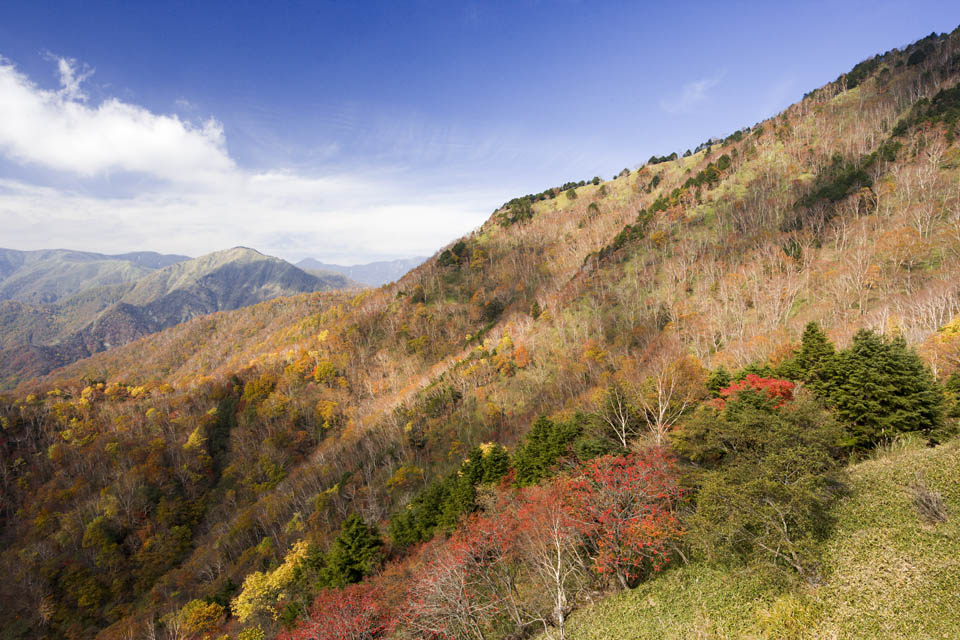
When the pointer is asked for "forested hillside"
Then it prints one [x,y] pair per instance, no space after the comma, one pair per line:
[612,385]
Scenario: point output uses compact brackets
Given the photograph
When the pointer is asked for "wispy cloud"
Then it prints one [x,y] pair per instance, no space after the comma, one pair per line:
[692,96]
[72,77]
[192,196]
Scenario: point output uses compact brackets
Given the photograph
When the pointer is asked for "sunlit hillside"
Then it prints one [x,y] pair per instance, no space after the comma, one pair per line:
[211,479]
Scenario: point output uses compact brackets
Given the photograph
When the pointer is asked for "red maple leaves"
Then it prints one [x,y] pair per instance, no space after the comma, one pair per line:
[775,388]
[357,612]
[625,504]
[524,562]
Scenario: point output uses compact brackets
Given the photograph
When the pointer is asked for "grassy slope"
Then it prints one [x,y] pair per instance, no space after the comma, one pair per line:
[888,574]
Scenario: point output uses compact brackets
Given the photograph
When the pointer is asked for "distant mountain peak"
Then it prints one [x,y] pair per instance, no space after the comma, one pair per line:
[242,249]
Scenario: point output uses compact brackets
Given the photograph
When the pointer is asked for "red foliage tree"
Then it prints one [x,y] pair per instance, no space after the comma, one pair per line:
[357,612]
[551,544]
[776,389]
[464,585]
[625,504]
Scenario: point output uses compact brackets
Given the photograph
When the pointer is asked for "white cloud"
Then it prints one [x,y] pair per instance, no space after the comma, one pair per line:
[58,130]
[692,96]
[339,217]
[198,199]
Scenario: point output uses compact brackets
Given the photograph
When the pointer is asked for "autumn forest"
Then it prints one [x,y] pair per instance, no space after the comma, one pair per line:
[732,372]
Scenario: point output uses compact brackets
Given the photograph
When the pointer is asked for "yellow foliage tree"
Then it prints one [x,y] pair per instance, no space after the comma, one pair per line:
[201,617]
[261,591]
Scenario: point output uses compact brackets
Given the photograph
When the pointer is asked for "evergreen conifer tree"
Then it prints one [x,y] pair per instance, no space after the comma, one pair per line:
[355,553]
[545,444]
[496,463]
[719,379]
[815,347]
[879,388]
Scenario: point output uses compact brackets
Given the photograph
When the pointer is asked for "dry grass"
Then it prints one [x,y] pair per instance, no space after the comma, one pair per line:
[928,503]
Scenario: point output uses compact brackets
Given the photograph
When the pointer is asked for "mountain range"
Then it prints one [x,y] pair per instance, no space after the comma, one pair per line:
[44,277]
[59,306]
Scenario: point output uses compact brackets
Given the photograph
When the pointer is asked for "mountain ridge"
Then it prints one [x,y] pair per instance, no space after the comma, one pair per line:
[48,275]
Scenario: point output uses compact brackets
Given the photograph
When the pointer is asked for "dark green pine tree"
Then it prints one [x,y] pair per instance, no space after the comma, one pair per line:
[441,504]
[462,499]
[463,489]
[879,388]
[719,379]
[355,553]
[528,460]
[815,347]
[545,444]
[420,519]
[496,463]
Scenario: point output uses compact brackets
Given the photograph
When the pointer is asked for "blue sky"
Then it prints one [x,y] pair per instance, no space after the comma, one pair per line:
[355,131]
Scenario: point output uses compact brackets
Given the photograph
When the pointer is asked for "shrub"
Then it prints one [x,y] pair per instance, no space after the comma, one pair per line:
[777,391]
[252,633]
[917,57]
[261,591]
[358,611]
[201,617]
[861,71]
[928,503]
[838,181]
[766,474]
[718,379]
[518,210]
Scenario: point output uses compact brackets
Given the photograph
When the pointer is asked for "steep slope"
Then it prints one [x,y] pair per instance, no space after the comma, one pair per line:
[43,277]
[37,338]
[175,466]
[373,274]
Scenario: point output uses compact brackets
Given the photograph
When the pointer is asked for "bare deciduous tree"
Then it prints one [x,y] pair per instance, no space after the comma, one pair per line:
[671,382]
